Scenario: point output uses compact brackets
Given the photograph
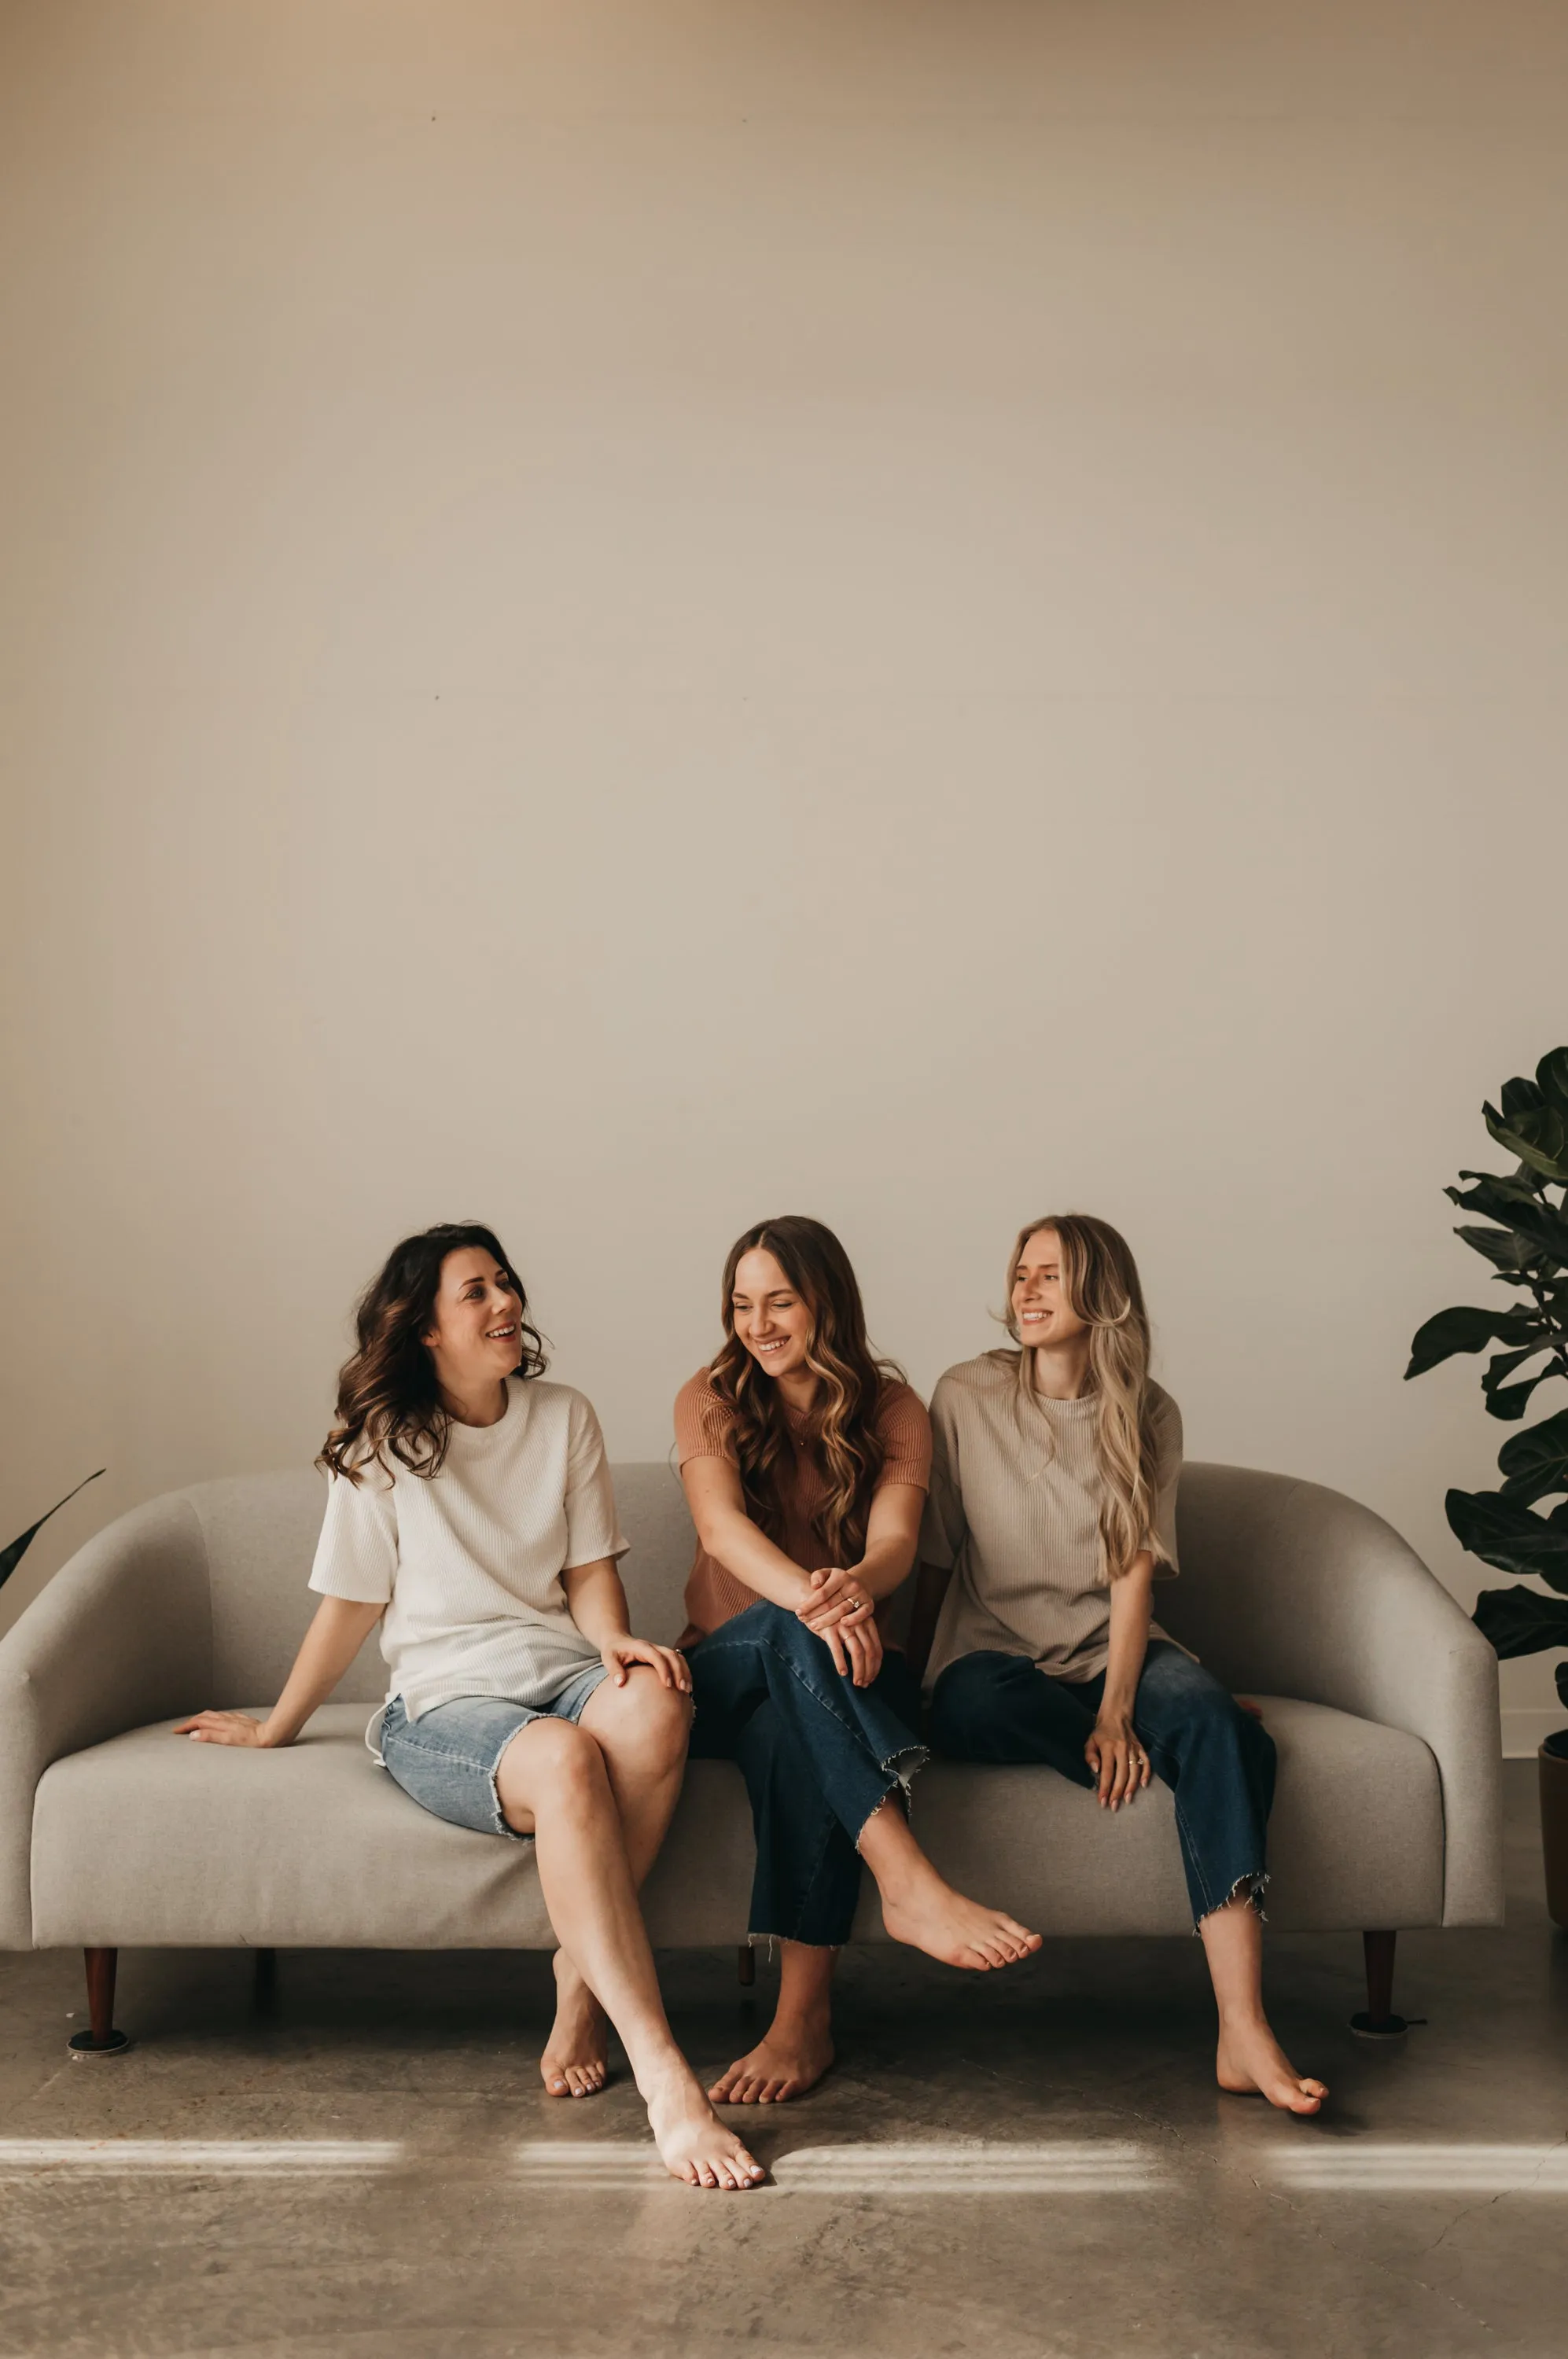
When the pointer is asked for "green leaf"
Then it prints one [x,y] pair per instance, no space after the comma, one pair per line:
[1502,1533]
[10,1558]
[1501,1247]
[1525,1215]
[1551,1078]
[1469,1329]
[1506,1183]
[1509,1402]
[1560,1675]
[1521,1097]
[1537,1135]
[1521,1622]
[1536,1462]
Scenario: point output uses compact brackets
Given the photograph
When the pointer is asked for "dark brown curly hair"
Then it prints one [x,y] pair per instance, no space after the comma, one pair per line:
[842,1432]
[390,1404]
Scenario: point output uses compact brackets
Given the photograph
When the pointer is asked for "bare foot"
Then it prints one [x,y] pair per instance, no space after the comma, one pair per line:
[790,2061]
[576,2058]
[929,1916]
[1251,2064]
[693,2144]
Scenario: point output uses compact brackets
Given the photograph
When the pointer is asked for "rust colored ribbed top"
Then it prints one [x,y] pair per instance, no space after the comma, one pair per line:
[704,1428]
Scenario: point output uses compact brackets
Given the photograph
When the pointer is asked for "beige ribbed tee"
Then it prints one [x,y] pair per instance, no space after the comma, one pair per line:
[1014,1509]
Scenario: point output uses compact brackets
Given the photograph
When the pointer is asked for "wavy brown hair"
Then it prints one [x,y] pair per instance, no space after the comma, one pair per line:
[390,1404]
[841,1431]
[1101,1284]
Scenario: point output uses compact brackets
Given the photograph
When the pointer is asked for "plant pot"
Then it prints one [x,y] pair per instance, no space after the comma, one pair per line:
[1555,1833]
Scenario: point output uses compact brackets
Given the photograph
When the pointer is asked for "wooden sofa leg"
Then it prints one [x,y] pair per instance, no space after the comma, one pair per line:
[101,2038]
[1379,2022]
[746,1963]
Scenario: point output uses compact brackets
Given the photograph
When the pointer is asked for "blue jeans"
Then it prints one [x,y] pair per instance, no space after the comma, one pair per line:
[447,1759]
[1216,1759]
[818,1754]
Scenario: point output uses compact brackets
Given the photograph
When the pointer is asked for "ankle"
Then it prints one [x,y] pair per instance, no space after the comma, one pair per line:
[1244,2017]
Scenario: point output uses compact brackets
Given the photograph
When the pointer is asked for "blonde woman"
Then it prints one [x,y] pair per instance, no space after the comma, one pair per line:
[1051,1514]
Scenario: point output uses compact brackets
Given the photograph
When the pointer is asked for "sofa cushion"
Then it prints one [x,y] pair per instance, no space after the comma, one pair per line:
[149,1840]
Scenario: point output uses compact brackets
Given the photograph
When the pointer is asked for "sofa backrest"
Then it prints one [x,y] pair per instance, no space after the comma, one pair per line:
[261,1531]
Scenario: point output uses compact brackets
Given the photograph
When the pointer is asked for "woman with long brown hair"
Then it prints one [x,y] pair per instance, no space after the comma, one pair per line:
[805,1461]
[469,1513]
[1053,1510]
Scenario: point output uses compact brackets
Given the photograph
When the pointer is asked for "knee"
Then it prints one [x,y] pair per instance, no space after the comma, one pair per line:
[552,1761]
[653,1721]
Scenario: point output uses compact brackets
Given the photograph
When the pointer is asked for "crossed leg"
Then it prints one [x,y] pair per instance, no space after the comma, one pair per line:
[641,1729]
[554,1784]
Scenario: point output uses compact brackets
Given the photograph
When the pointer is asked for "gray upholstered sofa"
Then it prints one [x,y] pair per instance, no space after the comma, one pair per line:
[1381,1697]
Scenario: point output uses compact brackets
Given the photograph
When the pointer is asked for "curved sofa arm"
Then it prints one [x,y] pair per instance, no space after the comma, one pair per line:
[1293,1590]
[120,1636]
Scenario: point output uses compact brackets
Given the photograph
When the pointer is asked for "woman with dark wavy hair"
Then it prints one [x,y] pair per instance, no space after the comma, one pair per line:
[469,1512]
[805,1461]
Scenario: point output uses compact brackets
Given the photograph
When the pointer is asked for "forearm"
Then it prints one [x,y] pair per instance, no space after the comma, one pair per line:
[1131,1598]
[334,1638]
[733,1540]
[596,1602]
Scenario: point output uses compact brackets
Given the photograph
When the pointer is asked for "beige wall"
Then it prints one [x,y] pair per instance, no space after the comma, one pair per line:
[619,617]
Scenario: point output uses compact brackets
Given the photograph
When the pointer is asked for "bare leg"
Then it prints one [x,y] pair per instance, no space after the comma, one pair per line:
[919,1907]
[798,2046]
[554,1784]
[641,1730]
[1250,2061]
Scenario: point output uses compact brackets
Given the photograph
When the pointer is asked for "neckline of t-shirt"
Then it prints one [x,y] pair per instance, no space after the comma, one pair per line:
[474,1437]
[1082,1405]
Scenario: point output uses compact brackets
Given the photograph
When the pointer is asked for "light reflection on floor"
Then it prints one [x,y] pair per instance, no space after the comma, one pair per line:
[201,2158]
[1062,2167]
[1413,2167]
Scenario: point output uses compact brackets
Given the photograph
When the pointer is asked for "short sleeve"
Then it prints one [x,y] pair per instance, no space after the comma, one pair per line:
[942,1526]
[357,1556]
[1167,1424]
[904,1430]
[592,1527]
[705,1425]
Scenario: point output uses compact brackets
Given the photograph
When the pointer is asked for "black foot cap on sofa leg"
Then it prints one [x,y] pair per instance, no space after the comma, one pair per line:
[82,2043]
[1385,2033]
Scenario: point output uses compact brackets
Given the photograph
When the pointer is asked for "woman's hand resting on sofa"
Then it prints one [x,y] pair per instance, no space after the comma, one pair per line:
[224,1728]
[340,1627]
[1117,1758]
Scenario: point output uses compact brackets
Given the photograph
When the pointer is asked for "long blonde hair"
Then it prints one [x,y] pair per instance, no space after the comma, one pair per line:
[1101,1286]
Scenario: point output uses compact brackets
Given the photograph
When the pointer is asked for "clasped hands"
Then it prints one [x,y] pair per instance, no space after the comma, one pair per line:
[841,1610]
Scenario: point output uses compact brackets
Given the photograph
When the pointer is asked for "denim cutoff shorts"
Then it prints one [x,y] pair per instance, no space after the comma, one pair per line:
[447,1759]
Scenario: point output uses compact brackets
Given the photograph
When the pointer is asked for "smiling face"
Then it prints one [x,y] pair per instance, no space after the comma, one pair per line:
[771,1320]
[475,1335]
[1039,1306]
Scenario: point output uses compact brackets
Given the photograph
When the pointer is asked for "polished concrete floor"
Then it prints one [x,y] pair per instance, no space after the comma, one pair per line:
[1031,2166]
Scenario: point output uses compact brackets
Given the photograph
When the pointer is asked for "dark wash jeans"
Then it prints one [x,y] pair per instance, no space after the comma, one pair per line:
[1216,1759]
[817,1755]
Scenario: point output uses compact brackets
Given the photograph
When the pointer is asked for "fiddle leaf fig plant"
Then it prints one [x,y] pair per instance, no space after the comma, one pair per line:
[10,1558]
[1522,1231]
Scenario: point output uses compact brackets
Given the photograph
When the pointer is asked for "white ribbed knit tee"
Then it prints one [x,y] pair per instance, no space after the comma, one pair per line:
[1014,1509]
[468,1562]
